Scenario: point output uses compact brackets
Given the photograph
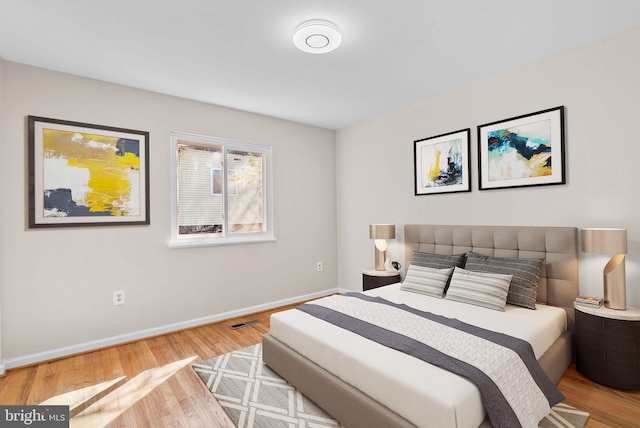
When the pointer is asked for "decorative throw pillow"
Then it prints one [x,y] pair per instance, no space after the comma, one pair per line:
[437,261]
[526,275]
[478,288]
[426,280]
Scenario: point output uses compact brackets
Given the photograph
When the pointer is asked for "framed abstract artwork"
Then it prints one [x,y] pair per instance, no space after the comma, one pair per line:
[442,163]
[86,175]
[522,151]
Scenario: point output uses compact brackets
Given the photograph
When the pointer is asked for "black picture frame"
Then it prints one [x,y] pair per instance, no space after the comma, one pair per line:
[83,174]
[522,151]
[442,163]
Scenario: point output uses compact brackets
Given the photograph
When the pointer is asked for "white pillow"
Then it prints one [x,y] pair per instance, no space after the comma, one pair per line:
[426,280]
[478,288]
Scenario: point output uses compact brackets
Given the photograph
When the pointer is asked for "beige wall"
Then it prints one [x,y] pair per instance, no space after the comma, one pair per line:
[3,187]
[599,86]
[58,283]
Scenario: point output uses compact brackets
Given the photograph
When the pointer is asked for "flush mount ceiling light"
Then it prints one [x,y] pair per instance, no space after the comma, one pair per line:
[317,36]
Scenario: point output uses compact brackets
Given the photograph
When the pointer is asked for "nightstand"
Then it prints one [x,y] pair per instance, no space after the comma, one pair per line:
[608,346]
[372,278]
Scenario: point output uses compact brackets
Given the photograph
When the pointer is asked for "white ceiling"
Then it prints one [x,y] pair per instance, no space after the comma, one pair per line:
[239,53]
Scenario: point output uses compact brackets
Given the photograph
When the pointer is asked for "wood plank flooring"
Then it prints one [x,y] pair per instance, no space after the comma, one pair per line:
[149,383]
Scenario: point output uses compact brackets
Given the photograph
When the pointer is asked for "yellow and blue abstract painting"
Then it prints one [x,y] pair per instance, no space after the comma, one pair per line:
[442,163]
[86,175]
[520,152]
[90,175]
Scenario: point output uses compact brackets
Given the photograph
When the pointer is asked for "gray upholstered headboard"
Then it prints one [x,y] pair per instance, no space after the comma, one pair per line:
[557,245]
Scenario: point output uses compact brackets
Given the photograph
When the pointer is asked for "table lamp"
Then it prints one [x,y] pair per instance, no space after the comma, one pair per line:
[381,232]
[609,241]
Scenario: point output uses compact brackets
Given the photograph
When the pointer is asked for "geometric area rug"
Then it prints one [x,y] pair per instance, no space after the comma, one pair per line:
[254,396]
[563,415]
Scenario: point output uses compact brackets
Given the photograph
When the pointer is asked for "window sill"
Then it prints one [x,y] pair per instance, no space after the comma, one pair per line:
[217,243]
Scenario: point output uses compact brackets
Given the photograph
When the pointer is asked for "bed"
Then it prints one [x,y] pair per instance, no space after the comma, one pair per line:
[359,390]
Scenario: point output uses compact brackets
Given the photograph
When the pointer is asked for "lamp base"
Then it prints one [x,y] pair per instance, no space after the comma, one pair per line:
[381,256]
[614,284]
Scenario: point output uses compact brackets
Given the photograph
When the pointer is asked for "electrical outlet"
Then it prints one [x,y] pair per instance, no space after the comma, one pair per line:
[319,266]
[118,297]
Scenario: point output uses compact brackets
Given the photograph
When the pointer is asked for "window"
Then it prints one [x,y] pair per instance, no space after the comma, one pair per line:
[221,191]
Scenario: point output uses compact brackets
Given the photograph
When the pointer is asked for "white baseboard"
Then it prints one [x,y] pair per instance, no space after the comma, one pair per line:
[142,334]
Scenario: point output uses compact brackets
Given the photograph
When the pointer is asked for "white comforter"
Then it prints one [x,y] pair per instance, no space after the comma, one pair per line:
[425,395]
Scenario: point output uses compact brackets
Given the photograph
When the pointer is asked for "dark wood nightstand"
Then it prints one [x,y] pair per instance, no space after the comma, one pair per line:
[608,346]
[372,278]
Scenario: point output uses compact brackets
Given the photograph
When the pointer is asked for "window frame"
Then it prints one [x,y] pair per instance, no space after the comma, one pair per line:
[226,238]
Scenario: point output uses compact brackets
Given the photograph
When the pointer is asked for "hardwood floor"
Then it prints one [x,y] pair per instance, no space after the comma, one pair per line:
[608,407]
[149,383]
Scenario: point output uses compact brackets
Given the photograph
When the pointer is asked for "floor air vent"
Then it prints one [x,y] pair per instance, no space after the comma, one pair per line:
[243,324]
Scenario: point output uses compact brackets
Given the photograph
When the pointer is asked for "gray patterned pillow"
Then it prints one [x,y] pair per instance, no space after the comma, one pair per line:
[526,275]
[437,261]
